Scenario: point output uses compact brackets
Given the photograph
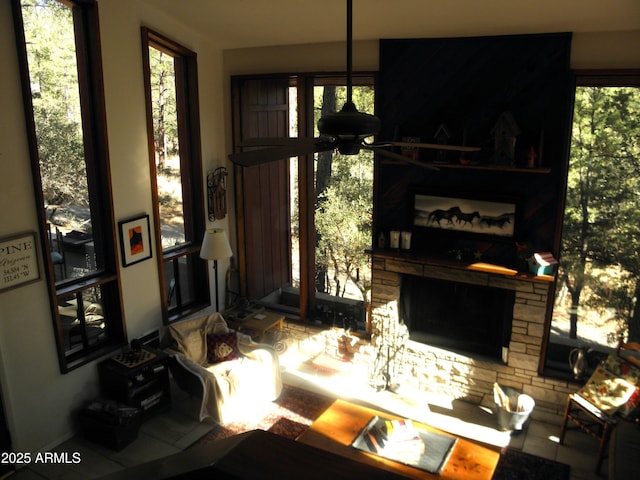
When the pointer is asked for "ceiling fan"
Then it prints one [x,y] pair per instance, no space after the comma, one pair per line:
[344,131]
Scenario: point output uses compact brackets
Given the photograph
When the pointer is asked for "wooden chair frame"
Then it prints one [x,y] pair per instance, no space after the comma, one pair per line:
[631,347]
[589,418]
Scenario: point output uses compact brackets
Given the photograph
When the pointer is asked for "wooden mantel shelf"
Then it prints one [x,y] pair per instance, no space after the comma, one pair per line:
[495,168]
[424,259]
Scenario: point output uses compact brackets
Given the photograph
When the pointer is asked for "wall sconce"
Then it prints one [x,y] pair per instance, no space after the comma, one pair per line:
[217,194]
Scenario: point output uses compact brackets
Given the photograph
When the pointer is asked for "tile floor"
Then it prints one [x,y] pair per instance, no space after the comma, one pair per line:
[177,429]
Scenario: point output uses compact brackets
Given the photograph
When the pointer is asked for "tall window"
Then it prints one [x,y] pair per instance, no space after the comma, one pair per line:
[175,161]
[58,47]
[598,285]
[343,203]
[329,199]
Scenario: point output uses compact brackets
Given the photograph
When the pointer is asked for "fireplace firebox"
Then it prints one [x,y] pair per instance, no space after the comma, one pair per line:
[463,317]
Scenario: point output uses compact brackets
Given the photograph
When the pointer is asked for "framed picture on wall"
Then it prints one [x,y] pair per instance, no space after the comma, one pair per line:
[466,214]
[135,239]
[18,260]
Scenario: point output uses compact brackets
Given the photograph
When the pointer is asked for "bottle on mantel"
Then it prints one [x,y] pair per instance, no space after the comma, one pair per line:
[382,240]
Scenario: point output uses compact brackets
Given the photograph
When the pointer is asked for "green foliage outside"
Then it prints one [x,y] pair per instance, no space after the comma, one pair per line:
[344,213]
[163,104]
[56,102]
[53,77]
[162,71]
[599,275]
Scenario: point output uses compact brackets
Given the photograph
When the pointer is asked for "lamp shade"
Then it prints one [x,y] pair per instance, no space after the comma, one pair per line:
[215,245]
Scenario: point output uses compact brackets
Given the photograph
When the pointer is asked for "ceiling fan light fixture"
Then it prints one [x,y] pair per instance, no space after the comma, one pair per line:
[348,146]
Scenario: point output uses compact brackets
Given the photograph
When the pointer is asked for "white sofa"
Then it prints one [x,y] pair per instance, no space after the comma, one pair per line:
[230,389]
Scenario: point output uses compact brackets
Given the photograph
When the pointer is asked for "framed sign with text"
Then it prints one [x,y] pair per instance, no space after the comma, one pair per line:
[18,260]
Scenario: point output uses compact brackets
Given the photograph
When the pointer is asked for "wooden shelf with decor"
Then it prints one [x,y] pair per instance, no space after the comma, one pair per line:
[422,259]
[461,165]
[435,146]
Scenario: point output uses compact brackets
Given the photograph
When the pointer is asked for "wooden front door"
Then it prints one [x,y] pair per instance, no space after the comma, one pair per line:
[261,109]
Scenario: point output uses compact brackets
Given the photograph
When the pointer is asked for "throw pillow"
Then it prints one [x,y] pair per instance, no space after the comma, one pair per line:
[221,348]
[607,391]
[620,367]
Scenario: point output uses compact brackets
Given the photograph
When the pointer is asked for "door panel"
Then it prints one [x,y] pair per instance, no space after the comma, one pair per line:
[262,191]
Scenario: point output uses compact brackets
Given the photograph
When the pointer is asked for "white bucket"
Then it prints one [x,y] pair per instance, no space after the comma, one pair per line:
[515,420]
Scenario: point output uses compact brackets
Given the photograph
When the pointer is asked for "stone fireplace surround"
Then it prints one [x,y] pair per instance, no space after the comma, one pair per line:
[464,376]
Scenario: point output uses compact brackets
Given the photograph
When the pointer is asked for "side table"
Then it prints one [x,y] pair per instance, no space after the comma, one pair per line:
[139,379]
[258,324]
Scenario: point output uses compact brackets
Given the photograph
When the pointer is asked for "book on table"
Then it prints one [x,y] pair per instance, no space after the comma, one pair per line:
[400,440]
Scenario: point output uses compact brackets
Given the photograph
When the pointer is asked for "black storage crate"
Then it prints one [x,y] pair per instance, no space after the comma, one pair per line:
[143,385]
[113,425]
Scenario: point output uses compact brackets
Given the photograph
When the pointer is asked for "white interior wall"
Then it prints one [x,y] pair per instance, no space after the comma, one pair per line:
[39,401]
[588,50]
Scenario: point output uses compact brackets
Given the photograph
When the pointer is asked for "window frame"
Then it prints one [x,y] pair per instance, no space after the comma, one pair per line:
[304,83]
[187,105]
[107,275]
[582,78]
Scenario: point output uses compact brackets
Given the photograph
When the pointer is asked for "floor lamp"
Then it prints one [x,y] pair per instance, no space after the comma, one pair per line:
[215,246]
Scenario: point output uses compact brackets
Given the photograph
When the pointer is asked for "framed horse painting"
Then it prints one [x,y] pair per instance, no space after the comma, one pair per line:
[466,214]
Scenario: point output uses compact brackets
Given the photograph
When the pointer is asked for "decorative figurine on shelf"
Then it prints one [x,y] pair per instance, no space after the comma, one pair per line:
[505,132]
[442,137]
[464,159]
[411,152]
[405,241]
[382,240]
[524,252]
[394,239]
[531,163]
[543,263]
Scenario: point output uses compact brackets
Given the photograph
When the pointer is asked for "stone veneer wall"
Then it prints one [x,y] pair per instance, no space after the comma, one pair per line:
[436,370]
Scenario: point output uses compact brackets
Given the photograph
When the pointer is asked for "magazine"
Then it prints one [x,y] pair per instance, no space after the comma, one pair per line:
[400,440]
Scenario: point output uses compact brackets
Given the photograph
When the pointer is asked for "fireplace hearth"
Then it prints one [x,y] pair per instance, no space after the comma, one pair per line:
[448,370]
[468,318]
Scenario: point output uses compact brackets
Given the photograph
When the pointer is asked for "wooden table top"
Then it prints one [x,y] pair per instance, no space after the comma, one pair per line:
[261,321]
[338,426]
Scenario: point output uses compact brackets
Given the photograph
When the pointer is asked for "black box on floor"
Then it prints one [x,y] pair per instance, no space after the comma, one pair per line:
[111,424]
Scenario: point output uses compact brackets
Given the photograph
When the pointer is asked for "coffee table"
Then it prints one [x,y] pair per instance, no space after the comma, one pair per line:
[340,424]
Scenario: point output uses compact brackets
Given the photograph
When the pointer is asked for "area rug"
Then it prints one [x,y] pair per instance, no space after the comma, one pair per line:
[517,465]
[288,416]
[296,409]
